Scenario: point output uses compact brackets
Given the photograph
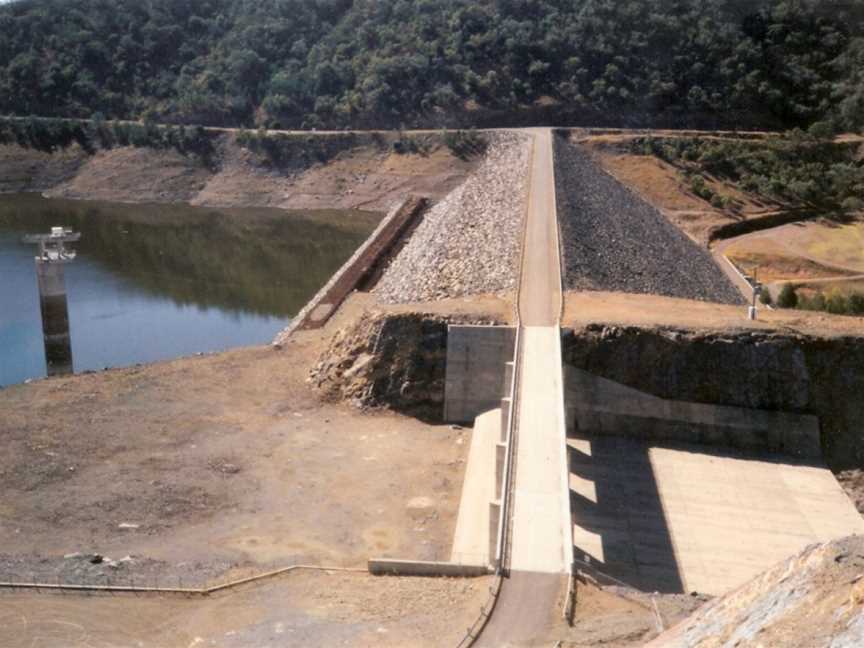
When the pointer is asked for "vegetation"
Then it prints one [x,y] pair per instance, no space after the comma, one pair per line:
[835,301]
[304,63]
[797,169]
[51,134]
[788,297]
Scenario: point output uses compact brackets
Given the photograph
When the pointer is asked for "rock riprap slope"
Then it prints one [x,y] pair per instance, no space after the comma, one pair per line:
[468,243]
[613,240]
[812,600]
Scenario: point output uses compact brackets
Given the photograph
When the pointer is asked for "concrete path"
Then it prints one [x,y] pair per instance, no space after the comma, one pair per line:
[694,518]
[541,507]
[540,280]
[541,545]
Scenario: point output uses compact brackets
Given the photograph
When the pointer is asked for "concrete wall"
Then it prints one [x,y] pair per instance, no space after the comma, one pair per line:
[476,370]
[599,406]
[394,567]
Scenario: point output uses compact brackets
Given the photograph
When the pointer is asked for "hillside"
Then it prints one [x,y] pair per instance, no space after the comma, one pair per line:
[333,63]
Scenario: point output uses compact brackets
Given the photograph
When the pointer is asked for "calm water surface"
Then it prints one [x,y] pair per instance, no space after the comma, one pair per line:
[153,282]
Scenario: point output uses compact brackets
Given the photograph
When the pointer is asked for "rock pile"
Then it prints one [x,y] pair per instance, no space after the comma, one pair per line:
[613,240]
[469,242]
[811,600]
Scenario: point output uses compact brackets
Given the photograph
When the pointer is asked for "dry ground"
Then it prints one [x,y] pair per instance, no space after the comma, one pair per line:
[301,609]
[582,308]
[228,464]
[801,252]
[617,617]
[229,456]
[365,177]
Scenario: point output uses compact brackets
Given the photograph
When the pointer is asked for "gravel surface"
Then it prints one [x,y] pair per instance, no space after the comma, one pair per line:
[613,240]
[469,242]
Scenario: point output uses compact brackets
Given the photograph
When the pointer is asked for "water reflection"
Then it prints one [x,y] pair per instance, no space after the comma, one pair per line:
[156,281]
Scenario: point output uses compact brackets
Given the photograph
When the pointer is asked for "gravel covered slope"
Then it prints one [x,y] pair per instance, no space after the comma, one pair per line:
[469,242]
[613,240]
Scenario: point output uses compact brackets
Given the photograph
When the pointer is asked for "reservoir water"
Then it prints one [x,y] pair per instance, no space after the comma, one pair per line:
[154,282]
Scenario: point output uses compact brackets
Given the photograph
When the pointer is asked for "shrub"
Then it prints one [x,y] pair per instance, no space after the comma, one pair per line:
[852,204]
[765,297]
[788,297]
[855,304]
[836,303]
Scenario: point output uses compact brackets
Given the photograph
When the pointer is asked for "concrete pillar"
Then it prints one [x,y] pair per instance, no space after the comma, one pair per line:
[55,316]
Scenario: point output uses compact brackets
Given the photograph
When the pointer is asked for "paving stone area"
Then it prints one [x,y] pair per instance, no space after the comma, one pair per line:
[469,242]
[613,240]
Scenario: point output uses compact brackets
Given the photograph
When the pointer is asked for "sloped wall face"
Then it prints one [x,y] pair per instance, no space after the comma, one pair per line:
[793,373]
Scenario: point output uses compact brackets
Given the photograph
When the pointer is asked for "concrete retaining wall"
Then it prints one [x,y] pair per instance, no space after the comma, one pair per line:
[599,406]
[394,567]
[477,358]
[356,269]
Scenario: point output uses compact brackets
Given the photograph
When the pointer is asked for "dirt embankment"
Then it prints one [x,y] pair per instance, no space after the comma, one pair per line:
[301,172]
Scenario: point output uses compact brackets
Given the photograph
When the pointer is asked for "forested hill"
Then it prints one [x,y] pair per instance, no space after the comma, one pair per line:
[392,63]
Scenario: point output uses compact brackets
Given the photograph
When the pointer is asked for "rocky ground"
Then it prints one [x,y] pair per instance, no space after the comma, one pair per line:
[620,617]
[469,242]
[613,240]
[812,600]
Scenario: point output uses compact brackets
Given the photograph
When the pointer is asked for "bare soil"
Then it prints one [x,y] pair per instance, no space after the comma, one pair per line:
[301,609]
[619,617]
[214,467]
[370,177]
[582,308]
[228,459]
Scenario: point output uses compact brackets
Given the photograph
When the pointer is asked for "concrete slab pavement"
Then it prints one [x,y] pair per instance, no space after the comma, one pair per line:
[691,518]
[541,510]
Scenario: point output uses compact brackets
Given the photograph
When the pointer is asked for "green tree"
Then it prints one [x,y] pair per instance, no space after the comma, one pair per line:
[788,297]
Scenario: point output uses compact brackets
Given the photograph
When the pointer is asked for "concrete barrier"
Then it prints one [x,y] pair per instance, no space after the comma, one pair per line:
[356,269]
[396,567]
[600,406]
[476,370]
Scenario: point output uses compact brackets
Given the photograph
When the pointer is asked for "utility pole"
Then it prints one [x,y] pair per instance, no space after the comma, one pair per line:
[53,255]
[757,290]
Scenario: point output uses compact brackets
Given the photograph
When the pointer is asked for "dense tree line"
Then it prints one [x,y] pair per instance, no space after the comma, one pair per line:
[321,63]
[797,169]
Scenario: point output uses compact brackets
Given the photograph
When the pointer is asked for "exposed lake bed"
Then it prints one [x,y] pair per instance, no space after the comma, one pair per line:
[152,281]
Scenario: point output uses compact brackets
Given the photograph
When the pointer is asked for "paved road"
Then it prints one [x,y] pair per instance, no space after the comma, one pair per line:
[541,548]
